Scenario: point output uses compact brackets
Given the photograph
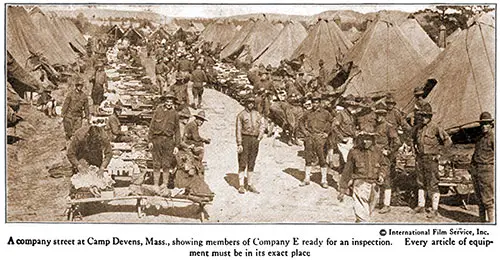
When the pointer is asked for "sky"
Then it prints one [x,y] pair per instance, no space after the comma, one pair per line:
[208,11]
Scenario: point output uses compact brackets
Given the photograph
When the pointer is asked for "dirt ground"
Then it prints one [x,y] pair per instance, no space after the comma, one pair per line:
[33,196]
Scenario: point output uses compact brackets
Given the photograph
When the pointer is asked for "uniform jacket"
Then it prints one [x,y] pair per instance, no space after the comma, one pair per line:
[317,122]
[80,148]
[165,122]
[249,123]
[485,149]
[192,134]
[113,127]
[181,92]
[76,104]
[386,136]
[430,138]
[364,164]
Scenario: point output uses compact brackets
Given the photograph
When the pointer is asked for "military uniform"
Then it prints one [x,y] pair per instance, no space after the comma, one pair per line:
[482,170]
[164,133]
[75,107]
[362,171]
[198,77]
[180,91]
[96,152]
[428,140]
[250,126]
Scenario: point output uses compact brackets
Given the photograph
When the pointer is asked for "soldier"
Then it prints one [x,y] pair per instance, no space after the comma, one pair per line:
[317,126]
[199,79]
[344,129]
[160,71]
[322,74]
[180,91]
[90,143]
[395,116]
[113,127]
[99,86]
[418,93]
[75,108]
[428,139]
[386,140]
[365,116]
[482,169]
[250,126]
[164,138]
[362,175]
[192,136]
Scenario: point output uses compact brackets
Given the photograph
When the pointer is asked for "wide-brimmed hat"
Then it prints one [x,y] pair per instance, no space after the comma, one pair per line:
[169,95]
[486,117]
[249,99]
[201,115]
[316,96]
[185,113]
[78,80]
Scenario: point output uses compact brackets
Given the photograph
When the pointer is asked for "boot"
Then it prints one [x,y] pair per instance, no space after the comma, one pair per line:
[241,178]
[324,183]
[307,179]
[421,202]
[251,188]
[435,204]
[387,202]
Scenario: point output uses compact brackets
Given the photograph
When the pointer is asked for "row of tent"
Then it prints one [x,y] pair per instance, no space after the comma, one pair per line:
[36,33]
[392,55]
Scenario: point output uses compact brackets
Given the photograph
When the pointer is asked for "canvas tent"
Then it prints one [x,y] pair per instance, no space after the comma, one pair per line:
[133,36]
[256,35]
[465,74]
[384,60]
[115,33]
[353,34]
[71,34]
[283,46]
[324,41]
[19,78]
[453,36]
[55,51]
[219,32]
[420,39]
[159,34]
[22,37]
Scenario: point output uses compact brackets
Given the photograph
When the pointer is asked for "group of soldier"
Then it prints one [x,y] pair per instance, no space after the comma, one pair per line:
[366,133]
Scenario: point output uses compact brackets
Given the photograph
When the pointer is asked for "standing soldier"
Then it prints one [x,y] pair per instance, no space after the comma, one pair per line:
[164,138]
[344,129]
[428,139]
[250,126]
[362,175]
[395,116]
[180,91]
[418,93]
[386,140]
[75,108]
[113,127]
[317,126]
[99,86]
[482,169]
[160,71]
[199,79]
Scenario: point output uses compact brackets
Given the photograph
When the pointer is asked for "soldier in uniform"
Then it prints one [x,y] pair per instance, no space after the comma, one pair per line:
[91,144]
[482,169]
[386,140]
[192,136]
[428,139]
[164,138]
[113,127]
[317,126]
[75,108]
[160,71]
[180,91]
[344,129]
[395,116]
[322,74]
[420,102]
[99,86]
[250,126]
[199,79]
[361,176]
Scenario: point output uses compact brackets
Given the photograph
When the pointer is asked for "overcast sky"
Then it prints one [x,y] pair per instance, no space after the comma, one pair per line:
[228,10]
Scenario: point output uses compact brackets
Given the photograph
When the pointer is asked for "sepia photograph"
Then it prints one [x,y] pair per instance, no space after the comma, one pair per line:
[250,113]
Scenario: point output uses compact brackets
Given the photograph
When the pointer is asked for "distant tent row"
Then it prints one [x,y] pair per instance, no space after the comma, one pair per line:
[219,32]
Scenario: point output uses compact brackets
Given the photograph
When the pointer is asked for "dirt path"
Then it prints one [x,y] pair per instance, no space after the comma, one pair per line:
[34,196]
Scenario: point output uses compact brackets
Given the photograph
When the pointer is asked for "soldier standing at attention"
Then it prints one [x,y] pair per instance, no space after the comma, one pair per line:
[199,79]
[164,138]
[362,174]
[482,169]
[317,126]
[75,108]
[250,126]
[386,140]
[180,91]
[99,86]
[428,139]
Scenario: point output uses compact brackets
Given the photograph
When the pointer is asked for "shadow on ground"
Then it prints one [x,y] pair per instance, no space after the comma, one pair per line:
[315,176]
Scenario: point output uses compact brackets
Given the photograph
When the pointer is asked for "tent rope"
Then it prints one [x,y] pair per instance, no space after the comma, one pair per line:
[486,50]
